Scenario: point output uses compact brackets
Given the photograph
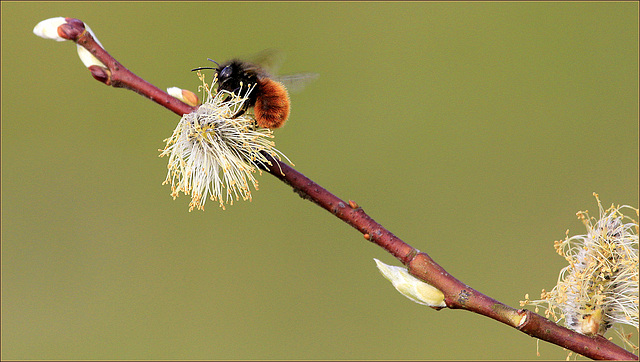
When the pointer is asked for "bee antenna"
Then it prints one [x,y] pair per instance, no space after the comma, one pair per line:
[201,68]
[211,60]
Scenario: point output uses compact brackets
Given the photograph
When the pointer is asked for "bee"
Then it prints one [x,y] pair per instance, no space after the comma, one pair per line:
[269,97]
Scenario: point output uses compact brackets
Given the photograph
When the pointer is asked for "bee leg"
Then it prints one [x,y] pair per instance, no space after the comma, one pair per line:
[226,99]
[239,113]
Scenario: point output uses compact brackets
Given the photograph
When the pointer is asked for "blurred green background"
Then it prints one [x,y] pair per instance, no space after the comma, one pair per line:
[473,131]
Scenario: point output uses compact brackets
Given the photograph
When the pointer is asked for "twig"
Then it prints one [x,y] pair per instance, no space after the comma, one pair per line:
[457,294]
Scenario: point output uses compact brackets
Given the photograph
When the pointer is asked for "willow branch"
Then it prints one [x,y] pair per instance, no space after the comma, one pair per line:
[457,294]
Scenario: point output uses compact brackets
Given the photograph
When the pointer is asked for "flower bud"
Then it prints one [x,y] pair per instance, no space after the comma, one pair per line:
[48,29]
[412,287]
[184,95]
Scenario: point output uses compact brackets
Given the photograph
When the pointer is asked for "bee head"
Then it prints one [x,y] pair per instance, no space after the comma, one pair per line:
[226,76]
[235,75]
[225,73]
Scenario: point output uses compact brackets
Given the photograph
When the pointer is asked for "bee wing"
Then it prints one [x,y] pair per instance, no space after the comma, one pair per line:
[269,59]
[296,82]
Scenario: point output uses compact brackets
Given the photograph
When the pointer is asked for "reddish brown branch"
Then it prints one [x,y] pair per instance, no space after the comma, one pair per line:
[457,294]
[596,347]
[348,212]
[116,74]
